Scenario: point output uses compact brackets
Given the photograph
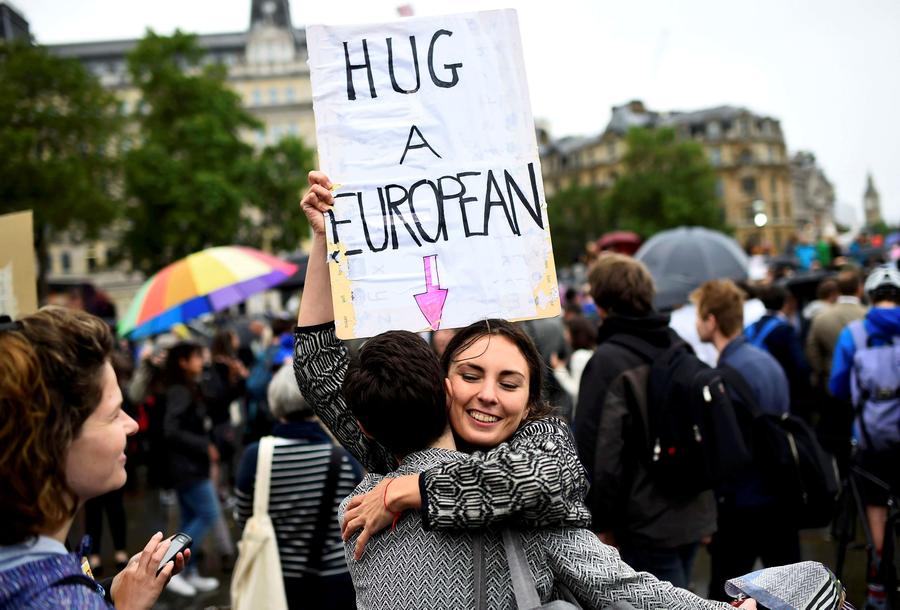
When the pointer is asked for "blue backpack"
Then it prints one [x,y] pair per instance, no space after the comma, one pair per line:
[758,332]
[875,388]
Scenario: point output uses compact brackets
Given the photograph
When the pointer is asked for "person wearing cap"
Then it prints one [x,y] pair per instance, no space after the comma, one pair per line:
[300,469]
[881,327]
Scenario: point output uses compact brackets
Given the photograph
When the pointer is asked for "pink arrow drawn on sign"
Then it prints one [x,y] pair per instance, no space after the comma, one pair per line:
[431,302]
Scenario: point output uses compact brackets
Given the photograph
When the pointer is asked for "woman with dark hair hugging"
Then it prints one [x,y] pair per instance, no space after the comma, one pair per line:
[522,469]
[62,442]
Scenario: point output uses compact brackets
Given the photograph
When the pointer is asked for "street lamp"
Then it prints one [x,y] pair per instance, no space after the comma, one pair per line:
[760,219]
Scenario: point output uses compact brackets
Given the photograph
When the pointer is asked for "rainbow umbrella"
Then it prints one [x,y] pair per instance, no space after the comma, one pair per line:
[205,281]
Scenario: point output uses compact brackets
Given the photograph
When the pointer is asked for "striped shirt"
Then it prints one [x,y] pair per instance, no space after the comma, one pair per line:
[299,469]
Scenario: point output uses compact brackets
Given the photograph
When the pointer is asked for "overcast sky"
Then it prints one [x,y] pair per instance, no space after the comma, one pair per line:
[828,69]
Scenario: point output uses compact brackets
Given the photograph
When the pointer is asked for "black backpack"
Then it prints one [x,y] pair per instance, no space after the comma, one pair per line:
[694,440]
[803,476]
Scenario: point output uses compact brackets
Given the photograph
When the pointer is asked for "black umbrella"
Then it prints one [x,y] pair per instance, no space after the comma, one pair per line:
[681,259]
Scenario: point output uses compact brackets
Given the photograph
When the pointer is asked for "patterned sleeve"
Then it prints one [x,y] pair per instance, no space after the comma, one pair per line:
[320,363]
[598,577]
[535,479]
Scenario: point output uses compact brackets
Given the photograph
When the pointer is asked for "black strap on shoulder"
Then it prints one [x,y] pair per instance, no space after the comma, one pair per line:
[326,511]
[636,346]
[736,381]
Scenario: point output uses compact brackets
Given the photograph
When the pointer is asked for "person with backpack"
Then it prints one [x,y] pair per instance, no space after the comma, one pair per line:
[775,334]
[751,521]
[656,521]
[866,371]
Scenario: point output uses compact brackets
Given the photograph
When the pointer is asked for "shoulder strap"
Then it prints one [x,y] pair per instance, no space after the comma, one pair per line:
[478,569]
[522,579]
[859,334]
[262,484]
[326,510]
[736,381]
[761,332]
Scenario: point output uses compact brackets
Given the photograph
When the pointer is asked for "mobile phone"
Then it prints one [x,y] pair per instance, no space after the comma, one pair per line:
[180,542]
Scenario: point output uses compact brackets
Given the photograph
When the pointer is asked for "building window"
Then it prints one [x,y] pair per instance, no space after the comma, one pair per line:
[773,187]
[91,257]
[273,96]
[65,262]
[746,157]
[257,97]
[715,155]
[745,128]
[771,153]
[611,151]
[720,188]
[748,185]
[261,137]
[714,130]
[289,94]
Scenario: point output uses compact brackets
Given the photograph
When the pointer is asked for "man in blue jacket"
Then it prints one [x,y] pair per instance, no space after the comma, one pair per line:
[750,521]
[865,358]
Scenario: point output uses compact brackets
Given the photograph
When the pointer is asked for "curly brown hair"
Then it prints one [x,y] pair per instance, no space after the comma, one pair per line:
[538,408]
[51,380]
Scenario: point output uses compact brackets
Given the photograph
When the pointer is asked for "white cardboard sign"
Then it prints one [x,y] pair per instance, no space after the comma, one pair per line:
[440,217]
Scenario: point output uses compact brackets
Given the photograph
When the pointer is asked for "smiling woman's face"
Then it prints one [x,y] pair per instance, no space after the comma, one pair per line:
[487,390]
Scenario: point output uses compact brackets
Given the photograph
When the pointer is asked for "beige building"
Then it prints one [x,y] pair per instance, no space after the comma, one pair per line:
[813,193]
[266,67]
[747,151]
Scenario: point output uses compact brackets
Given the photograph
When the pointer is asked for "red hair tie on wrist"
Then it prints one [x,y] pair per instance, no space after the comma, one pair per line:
[384,501]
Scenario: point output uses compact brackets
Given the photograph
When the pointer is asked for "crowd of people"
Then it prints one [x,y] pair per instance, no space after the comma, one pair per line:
[467,468]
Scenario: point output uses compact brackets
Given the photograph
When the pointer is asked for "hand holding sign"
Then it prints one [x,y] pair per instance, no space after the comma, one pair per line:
[426,123]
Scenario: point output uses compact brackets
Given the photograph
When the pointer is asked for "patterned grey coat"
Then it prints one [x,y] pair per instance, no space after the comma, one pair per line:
[412,568]
[536,478]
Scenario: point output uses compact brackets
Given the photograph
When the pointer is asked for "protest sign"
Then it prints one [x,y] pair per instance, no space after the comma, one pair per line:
[440,218]
[18,280]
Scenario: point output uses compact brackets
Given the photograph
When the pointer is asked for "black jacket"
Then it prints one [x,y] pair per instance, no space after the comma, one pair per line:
[185,436]
[610,432]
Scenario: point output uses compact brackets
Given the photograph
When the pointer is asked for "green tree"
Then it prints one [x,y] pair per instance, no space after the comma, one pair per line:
[275,185]
[667,183]
[58,135]
[188,169]
[577,216]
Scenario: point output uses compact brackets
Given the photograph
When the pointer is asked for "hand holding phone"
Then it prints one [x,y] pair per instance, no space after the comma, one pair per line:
[180,543]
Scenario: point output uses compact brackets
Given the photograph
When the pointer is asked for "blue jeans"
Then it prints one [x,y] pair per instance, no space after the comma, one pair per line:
[199,510]
[673,564]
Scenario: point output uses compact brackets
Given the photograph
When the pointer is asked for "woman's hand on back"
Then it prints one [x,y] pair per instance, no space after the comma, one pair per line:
[137,587]
[373,511]
[317,200]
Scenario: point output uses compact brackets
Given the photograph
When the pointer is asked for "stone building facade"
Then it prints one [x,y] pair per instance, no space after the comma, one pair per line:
[813,193]
[747,151]
[266,67]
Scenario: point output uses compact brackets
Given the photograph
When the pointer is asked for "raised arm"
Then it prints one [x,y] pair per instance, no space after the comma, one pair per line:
[535,480]
[320,358]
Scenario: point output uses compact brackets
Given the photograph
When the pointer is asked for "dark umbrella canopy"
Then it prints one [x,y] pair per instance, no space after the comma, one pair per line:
[681,259]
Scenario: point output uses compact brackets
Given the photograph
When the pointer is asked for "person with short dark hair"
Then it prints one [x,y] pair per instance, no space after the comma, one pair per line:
[775,333]
[750,523]
[189,452]
[630,508]
[835,415]
[63,435]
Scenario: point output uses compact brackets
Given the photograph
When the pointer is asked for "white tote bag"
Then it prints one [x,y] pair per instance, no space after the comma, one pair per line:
[256,581]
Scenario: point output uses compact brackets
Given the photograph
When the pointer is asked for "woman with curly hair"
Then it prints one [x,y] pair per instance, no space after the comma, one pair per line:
[62,442]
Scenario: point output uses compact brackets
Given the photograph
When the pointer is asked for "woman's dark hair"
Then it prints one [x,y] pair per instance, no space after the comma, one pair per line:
[582,332]
[182,350]
[223,344]
[538,408]
[396,379]
[51,380]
